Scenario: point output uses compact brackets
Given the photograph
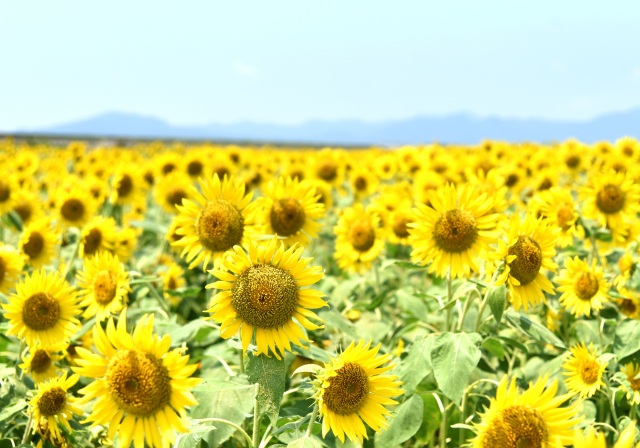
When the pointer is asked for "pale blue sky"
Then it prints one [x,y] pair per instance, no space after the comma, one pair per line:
[196,62]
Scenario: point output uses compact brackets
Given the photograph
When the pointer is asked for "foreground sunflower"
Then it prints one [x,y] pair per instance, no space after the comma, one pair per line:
[532,419]
[353,389]
[583,370]
[530,248]
[11,264]
[52,405]
[140,386]
[214,220]
[583,287]
[292,209]
[359,238]
[43,309]
[261,291]
[455,232]
[103,284]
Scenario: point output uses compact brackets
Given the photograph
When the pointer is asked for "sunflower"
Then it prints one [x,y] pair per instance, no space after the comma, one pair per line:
[53,405]
[583,288]
[353,390]
[629,303]
[557,205]
[11,264]
[454,233]
[399,221]
[74,205]
[360,238]
[125,243]
[38,243]
[171,190]
[533,418]
[214,221]
[594,439]
[127,186]
[172,279]
[103,284]
[291,209]
[613,199]
[363,182]
[8,190]
[97,236]
[28,206]
[632,384]
[583,370]
[39,363]
[263,292]
[140,386]
[530,248]
[42,309]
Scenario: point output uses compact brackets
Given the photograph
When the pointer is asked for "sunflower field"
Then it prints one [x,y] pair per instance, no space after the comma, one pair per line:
[203,295]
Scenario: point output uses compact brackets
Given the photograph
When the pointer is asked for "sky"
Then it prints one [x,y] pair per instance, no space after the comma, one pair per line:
[199,62]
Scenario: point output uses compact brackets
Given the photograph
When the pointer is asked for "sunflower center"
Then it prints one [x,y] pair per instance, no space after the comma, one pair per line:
[220,225]
[105,287]
[287,216]
[455,231]
[628,306]
[92,241]
[125,186]
[511,180]
[528,260]
[3,269]
[348,390]
[40,362]
[265,296]
[327,171]
[52,401]
[5,192]
[41,311]
[362,236]
[175,196]
[565,216]
[572,161]
[517,427]
[589,371]
[72,209]
[634,382]
[23,210]
[172,283]
[138,382]
[33,247]
[399,226]
[148,177]
[610,199]
[194,168]
[360,183]
[586,286]
[221,171]
[168,168]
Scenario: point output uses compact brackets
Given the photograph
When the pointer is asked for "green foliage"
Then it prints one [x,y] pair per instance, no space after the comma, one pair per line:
[269,374]
[405,424]
[453,358]
[532,328]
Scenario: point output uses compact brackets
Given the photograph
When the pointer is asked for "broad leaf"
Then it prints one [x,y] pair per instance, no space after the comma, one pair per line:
[269,374]
[404,425]
[627,338]
[497,301]
[453,358]
[417,364]
[532,328]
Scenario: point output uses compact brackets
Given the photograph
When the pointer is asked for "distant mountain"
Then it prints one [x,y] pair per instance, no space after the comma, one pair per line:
[458,128]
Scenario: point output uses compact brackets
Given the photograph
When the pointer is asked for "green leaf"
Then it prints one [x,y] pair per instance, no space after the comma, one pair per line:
[532,328]
[453,358]
[417,364]
[196,434]
[412,304]
[404,425]
[494,346]
[10,410]
[269,374]
[229,400]
[497,301]
[305,442]
[627,338]
[408,265]
[184,333]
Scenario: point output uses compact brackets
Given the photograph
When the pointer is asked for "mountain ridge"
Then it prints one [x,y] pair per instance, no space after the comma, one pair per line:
[459,128]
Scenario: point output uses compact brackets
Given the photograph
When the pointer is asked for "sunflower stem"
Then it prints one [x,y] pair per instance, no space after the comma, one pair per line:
[76,247]
[485,300]
[447,326]
[226,422]
[241,362]
[27,430]
[314,415]
[256,419]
